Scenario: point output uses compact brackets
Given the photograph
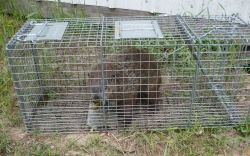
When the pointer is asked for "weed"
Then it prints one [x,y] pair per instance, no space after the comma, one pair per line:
[244,128]
[5,142]
[37,148]
[95,140]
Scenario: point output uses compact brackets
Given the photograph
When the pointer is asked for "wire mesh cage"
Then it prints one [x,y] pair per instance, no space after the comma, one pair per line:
[121,73]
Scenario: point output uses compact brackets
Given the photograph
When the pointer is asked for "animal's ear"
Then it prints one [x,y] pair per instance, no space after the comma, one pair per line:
[112,77]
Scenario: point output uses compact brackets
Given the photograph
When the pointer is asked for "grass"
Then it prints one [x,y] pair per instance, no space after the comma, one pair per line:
[184,142]
[15,141]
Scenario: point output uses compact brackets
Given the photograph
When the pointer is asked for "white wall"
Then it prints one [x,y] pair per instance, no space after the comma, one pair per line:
[194,7]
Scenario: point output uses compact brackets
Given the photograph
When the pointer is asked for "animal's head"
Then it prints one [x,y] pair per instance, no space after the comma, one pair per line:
[100,85]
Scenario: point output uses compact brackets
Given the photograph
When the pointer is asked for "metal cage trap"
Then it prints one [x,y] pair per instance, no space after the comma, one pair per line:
[118,73]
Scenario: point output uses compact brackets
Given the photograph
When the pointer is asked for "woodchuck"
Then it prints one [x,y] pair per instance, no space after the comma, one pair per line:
[128,75]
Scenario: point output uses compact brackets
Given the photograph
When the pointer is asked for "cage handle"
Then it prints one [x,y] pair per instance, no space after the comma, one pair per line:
[39,31]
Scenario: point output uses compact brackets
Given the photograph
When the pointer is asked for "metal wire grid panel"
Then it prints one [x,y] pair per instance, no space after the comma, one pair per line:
[90,80]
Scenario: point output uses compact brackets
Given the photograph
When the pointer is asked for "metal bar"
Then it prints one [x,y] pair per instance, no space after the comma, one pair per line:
[137,29]
[38,74]
[248,114]
[241,20]
[191,43]
[103,90]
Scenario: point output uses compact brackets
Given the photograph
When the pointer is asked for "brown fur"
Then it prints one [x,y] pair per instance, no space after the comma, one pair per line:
[128,75]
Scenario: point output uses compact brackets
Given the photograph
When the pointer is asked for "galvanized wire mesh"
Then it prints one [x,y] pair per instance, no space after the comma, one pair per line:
[201,73]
